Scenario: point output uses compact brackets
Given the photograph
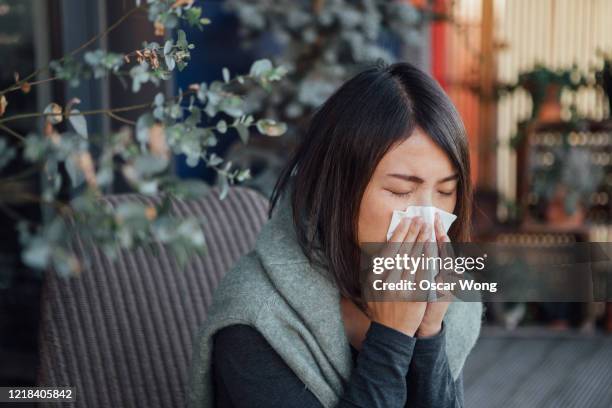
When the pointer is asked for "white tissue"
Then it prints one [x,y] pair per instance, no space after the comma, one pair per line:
[427,213]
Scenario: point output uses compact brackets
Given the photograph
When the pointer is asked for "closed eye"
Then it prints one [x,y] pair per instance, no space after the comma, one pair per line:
[446,193]
[401,194]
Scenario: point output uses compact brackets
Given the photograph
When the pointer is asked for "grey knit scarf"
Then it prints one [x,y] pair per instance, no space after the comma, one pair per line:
[297,309]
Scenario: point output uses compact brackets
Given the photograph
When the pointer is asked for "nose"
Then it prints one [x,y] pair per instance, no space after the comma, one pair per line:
[425,198]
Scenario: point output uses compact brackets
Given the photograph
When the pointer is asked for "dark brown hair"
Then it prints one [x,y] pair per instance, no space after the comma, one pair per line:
[334,160]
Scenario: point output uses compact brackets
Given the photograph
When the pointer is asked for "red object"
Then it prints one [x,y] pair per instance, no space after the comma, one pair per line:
[438,45]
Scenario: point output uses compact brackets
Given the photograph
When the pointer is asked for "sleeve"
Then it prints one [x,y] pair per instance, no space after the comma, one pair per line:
[429,380]
[249,373]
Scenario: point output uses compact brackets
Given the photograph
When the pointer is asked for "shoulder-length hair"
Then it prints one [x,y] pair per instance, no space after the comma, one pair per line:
[334,160]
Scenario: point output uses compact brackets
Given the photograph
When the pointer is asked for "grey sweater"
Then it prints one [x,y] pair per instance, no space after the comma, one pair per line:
[296,307]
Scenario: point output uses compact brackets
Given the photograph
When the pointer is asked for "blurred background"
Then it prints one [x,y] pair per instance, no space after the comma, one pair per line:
[531,79]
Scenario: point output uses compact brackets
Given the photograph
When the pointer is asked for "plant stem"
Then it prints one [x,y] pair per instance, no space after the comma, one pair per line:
[42,81]
[60,206]
[12,214]
[85,113]
[92,40]
[121,119]
[105,32]
[12,132]
[25,173]
[68,114]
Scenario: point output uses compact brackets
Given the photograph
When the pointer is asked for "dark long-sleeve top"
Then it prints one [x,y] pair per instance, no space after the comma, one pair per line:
[391,370]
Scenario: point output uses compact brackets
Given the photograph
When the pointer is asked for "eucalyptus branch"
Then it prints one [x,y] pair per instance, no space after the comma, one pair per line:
[107,31]
[121,119]
[86,44]
[60,206]
[141,155]
[27,172]
[11,213]
[11,132]
[68,114]
[110,112]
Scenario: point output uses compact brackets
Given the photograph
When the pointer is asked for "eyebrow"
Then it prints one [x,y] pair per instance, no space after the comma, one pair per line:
[419,180]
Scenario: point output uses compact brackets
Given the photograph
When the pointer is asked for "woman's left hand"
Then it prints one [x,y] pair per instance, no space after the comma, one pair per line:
[435,311]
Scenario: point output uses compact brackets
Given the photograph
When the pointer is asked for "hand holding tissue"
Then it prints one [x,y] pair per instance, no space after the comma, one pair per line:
[427,213]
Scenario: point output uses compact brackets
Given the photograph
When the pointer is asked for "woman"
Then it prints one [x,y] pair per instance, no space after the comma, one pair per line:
[289,325]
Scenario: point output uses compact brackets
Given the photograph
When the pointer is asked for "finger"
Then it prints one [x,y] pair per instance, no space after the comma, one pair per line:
[444,247]
[402,228]
[439,228]
[425,232]
[423,235]
[438,309]
[410,238]
[414,229]
[431,268]
[445,293]
[431,248]
[447,274]
[441,235]
[411,235]
[445,250]
[417,252]
[392,247]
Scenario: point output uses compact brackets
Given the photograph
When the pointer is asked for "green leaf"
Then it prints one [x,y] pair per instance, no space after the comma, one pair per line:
[214,160]
[170,62]
[130,210]
[193,15]
[171,21]
[226,75]
[202,90]
[192,159]
[194,117]
[210,139]
[149,187]
[223,185]
[232,105]
[243,132]
[243,175]
[7,153]
[78,122]
[143,124]
[190,189]
[53,113]
[148,165]
[74,172]
[271,127]
[221,126]
[176,111]
[35,147]
[93,58]
[140,75]
[277,73]
[260,67]
[248,120]
[37,254]
[168,47]
[159,99]
[181,42]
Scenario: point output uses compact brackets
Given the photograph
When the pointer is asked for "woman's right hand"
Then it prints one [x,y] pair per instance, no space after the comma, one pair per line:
[405,316]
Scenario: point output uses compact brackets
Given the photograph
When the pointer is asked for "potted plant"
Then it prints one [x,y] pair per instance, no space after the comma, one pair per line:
[603,77]
[545,85]
[565,179]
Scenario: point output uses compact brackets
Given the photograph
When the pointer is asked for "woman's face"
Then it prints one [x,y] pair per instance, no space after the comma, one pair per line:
[414,172]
